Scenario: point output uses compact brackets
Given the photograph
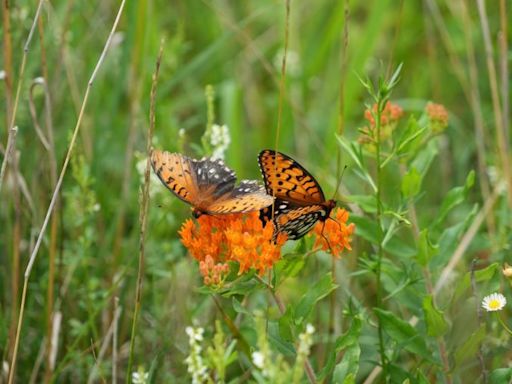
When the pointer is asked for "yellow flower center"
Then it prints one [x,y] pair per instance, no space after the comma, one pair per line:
[494,304]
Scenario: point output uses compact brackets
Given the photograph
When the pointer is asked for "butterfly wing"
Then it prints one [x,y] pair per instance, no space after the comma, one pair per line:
[296,222]
[288,180]
[177,173]
[208,185]
[213,179]
[248,196]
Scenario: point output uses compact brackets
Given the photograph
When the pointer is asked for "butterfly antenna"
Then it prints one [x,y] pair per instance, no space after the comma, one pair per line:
[339,183]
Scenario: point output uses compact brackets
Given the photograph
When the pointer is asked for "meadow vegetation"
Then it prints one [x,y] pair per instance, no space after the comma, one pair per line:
[401,111]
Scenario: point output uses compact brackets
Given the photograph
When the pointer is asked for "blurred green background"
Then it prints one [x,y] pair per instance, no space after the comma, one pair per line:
[237,47]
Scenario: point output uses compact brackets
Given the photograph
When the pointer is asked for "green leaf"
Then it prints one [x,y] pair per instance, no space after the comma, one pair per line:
[411,183]
[469,348]
[434,318]
[403,333]
[349,365]
[454,197]
[425,157]
[289,266]
[421,378]
[500,375]
[357,157]
[410,139]
[450,237]
[367,229]
[314,294]
[285,325]
[237,306]
[481,275]
[366,202]
[426,250]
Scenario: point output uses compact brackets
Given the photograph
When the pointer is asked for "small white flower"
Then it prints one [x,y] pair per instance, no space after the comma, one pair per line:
[494,302]
[195,364]
[258,359]
[140,377]
[5,368]
[310,329]
[220,140]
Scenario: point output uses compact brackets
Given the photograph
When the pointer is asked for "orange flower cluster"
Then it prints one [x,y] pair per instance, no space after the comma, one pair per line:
[334,235]
[234,237]
[213,274]
[389,118]
[438,116]
[391,114]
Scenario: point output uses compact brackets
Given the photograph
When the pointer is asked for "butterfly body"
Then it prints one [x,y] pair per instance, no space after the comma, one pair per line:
[299,199]
[208,185]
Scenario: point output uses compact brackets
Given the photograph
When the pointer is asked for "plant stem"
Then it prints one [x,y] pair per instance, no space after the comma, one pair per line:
[143,214]
[380,251]
[503,324]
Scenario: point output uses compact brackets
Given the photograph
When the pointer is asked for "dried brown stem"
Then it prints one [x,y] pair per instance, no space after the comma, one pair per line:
[143,211]
[501,143]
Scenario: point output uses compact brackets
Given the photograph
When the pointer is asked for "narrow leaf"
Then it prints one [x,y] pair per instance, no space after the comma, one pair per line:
[434,318]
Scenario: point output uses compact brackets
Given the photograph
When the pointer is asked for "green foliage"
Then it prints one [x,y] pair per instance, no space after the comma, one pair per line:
[428,197]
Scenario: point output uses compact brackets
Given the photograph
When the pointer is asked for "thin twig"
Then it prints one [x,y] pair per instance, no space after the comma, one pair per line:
[143,211]
[504,70]
[11,141]
[103,349]
[7,60]
[61,176]
[501,143]
[117,312]
[479,353]
[476,109]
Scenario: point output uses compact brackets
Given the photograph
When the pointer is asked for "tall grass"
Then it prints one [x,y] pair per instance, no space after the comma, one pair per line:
[70,207]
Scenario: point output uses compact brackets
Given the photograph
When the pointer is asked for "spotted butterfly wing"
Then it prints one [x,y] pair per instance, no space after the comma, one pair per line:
[300,201]
[208,185]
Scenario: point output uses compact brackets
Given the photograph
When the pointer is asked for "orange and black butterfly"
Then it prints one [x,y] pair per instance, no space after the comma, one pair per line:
[208,185]
[299,199]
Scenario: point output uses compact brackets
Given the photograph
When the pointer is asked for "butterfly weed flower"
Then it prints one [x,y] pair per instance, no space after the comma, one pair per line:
[494,302]
[334,235]
[213,273]
[388,120]
[391,114]
[437,117]
[220,239]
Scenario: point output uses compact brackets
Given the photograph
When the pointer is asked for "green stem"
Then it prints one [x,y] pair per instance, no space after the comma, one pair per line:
[380,250]
[503,324]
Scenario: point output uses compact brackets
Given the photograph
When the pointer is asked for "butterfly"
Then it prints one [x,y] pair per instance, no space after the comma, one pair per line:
[208,185]
[299,199]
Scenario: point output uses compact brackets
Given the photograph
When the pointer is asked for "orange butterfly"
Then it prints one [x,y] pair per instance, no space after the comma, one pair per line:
[208,185]
[300,201]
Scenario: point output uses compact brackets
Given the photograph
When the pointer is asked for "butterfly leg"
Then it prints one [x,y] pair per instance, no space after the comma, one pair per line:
[325,238]
[336,221]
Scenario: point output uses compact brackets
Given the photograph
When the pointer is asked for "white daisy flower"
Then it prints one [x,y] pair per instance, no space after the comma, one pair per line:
[494,302]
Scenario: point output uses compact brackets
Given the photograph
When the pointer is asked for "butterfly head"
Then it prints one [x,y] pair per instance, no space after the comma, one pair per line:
[329,205]
[197,213]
